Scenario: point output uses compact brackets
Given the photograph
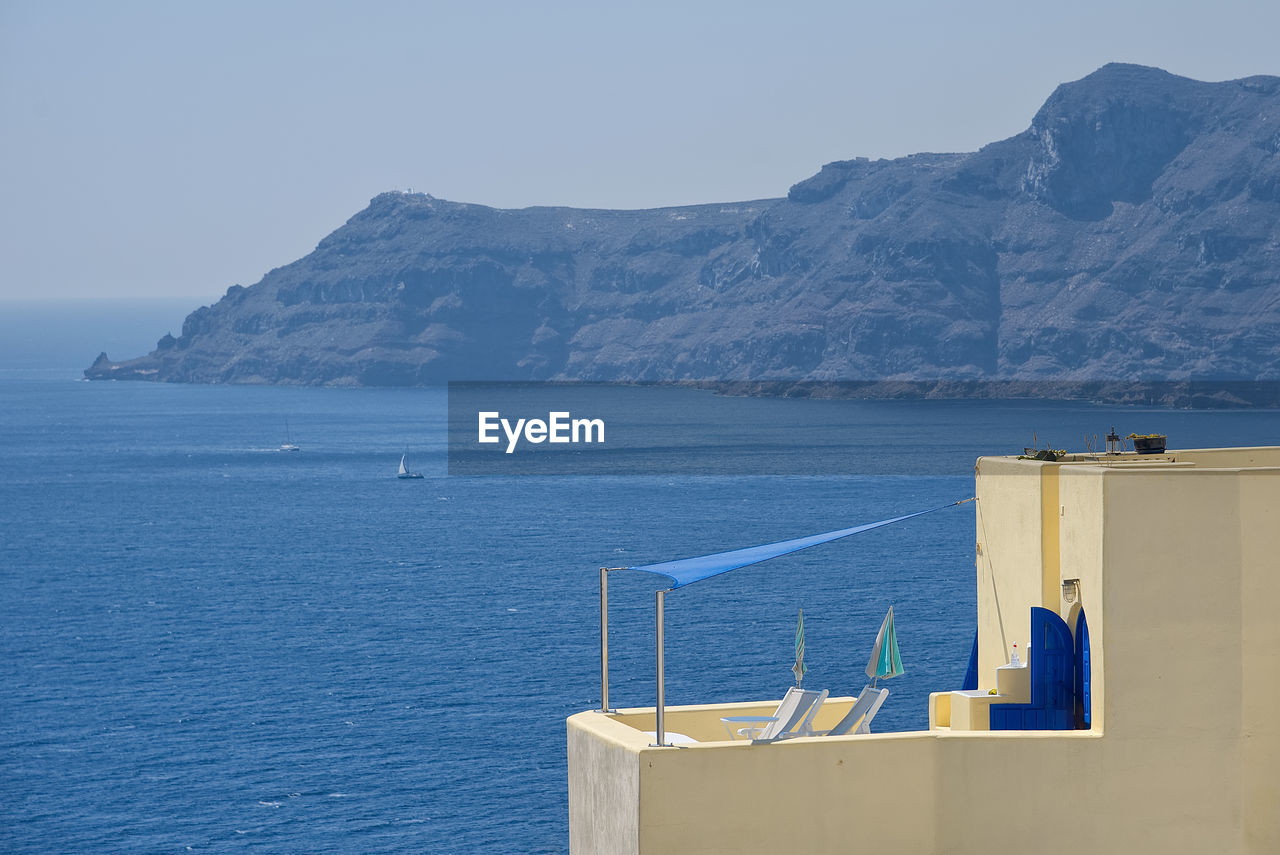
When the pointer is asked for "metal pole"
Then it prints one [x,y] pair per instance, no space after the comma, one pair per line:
[661,733]
[604,640]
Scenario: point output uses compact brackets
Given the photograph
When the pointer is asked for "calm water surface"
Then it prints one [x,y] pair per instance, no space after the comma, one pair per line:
[209,645]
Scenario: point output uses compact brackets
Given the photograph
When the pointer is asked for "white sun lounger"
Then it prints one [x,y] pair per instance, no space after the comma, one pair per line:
[858,719]
[795,710]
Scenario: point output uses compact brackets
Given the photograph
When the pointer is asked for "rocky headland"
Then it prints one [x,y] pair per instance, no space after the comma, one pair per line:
[1130,235]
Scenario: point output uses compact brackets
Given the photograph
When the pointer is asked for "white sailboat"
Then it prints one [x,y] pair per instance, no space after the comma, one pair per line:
[288,439]
[405,473]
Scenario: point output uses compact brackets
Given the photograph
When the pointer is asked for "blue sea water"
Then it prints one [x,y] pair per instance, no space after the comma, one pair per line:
[209,645]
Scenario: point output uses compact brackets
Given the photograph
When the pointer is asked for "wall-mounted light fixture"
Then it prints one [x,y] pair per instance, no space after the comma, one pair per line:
[1070,590]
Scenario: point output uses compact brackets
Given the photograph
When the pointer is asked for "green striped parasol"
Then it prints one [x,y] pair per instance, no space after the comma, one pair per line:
[799,668]
[885,659]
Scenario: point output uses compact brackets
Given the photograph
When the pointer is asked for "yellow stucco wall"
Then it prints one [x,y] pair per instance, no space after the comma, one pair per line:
[604,788]
[1260,640]
[1008,558]
[801,797]
[1179,565]
[1082,537]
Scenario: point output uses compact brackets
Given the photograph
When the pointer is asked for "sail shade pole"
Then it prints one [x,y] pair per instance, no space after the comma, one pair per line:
[604,639]
[662,703]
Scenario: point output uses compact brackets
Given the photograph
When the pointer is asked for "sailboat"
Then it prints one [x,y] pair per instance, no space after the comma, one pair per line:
[288,440]
[405,473]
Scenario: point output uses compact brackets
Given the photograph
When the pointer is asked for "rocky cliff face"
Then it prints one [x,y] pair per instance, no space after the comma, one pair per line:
[1132,232]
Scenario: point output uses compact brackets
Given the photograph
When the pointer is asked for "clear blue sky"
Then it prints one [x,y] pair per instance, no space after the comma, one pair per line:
[173,148]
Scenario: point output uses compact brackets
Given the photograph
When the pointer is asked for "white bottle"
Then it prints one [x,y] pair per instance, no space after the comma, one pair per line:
[1014,661]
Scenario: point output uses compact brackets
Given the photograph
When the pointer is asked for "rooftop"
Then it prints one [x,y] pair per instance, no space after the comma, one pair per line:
[1171,556]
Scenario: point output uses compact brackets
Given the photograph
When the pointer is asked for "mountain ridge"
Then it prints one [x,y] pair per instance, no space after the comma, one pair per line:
[1131,233]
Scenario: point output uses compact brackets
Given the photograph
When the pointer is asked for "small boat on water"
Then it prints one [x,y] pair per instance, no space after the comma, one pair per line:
[405,473]
[288,439]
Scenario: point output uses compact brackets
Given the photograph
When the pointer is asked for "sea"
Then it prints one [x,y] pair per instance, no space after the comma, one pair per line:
[211,645]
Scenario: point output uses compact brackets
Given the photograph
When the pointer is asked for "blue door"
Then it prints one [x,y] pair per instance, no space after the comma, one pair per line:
[1084,696]
[1051,658]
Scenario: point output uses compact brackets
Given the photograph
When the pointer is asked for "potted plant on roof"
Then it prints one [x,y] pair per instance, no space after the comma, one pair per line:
[1051,455]
[1148,443]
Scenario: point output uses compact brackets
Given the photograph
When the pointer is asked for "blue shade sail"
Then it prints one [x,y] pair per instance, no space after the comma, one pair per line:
[686,571]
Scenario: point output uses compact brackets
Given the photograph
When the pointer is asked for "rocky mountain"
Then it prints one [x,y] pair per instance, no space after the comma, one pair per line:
[1132,232]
